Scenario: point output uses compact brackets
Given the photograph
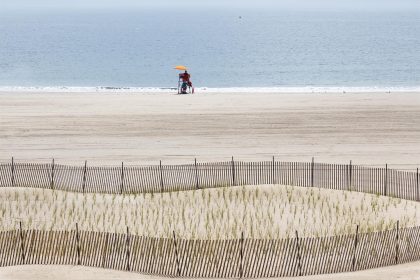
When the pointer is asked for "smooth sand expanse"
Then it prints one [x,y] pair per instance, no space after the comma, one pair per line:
[409,271]
[140,128]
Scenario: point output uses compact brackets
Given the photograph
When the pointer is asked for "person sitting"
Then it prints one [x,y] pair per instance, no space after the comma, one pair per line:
[185,78]
[184,87]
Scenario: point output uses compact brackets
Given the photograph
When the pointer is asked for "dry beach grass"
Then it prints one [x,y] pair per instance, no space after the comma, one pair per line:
[267,211]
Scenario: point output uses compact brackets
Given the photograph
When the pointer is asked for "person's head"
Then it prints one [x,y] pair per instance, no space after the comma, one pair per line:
[186,72]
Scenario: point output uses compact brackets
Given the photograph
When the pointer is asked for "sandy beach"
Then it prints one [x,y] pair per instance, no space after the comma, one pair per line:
[231,139]
[141,128]
[409,271]
[107,128]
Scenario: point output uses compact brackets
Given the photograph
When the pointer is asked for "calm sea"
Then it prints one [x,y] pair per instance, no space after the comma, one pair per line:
[135,49]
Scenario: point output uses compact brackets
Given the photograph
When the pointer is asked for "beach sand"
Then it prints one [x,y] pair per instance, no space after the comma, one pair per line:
[104,128]
[107,128]
[410,271]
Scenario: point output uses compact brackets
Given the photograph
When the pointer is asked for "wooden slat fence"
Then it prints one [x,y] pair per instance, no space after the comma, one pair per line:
[213,175]
[31,175]
[68,178]
[246,258]
[167,178]
[211,258]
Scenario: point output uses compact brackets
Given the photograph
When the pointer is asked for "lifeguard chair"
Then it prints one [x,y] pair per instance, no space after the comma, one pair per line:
[184,83]
[184,86]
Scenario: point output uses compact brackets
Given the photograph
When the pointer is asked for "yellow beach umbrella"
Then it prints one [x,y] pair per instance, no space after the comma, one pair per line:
[180,67]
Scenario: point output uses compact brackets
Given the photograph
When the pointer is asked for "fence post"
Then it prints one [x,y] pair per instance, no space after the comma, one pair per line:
[196,174]
[417,180]
[312,172]
[386,179]
[77,244]
[161,176]
[350,174]
[355,247]
[122,178]
[273,181]
[233,172]
[177,258]
[298,254]
[128,250]
[52,174]
[84,177]
[22,245]
[13,172]
[241,265]
[396,244]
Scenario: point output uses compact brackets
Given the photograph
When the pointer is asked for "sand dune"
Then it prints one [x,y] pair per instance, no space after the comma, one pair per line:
[270,211]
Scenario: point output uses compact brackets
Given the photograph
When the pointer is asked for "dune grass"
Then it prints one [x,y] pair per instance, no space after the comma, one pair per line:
[269,211]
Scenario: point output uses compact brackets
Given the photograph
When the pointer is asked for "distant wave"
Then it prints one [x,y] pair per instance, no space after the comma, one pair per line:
[305,89]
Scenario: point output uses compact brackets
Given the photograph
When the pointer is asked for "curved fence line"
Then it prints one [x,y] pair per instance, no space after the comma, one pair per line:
[236,258]
[166,178]
[250,258]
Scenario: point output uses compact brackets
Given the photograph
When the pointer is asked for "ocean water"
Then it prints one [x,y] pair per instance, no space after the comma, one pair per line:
[267,50]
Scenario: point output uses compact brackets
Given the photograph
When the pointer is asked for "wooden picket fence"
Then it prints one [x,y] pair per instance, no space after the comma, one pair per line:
[248,258]
[167,178]
[237,258]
